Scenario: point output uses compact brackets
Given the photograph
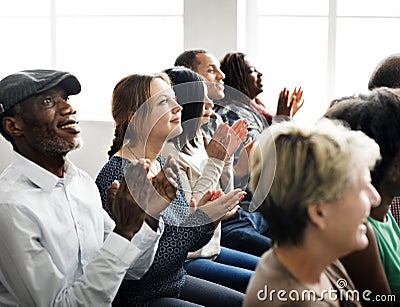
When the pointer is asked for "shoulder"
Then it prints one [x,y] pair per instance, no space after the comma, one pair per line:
[337,272]
[114,169]
[116,165]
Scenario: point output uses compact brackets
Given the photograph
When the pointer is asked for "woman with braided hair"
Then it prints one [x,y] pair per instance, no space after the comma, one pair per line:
[146,114]
[243,76]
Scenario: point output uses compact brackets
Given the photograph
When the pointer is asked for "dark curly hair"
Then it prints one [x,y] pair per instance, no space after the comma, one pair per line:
[386,73]
[377,114]
[233,65]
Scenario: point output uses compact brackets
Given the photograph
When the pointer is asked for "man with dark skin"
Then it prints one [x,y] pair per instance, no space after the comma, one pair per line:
[59,247]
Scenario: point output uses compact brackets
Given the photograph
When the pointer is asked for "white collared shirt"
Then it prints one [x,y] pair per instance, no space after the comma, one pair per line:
[57,247]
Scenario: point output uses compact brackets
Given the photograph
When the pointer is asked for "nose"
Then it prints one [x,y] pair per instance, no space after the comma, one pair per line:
[374,196]
[175,106]
[208,103]
[220,75]
[259,74]
[66,108]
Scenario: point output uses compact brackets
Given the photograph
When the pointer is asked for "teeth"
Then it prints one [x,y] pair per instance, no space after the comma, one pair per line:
[69,126]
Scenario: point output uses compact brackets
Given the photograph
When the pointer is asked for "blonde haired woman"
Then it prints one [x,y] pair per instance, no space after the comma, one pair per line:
[317,214]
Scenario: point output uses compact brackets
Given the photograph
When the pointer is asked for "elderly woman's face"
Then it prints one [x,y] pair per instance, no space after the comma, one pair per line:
[346,218]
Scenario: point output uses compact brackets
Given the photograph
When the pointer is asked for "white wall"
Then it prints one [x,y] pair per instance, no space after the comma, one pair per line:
[97,137]
[208,24]
[211,25]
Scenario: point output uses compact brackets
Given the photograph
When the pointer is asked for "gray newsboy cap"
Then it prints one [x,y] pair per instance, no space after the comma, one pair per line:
[21,85]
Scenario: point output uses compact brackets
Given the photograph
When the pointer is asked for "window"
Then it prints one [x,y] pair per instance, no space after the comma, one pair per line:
[99,41]
[329,47]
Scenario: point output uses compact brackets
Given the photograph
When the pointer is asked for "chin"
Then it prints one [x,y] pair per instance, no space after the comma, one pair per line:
[204,120]
[218,95]
[362,243]
[175,132]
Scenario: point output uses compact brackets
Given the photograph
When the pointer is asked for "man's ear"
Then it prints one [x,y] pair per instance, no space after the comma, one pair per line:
[12,125]
[317,215]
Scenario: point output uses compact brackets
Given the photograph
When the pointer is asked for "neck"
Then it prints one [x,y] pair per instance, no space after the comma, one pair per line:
[54,165]
[304,263]
[139,151]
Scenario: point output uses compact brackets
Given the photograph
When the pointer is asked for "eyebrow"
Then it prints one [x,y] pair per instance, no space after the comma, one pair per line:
[164,94]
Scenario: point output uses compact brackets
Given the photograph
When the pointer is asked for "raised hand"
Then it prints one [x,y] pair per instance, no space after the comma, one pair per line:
[165,181]
[290,105]
[216,204]
[283,107]
[217,147]
[237,132]
[296,100]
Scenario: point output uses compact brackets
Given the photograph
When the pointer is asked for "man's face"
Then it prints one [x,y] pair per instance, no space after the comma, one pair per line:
[49,123]
[209,68]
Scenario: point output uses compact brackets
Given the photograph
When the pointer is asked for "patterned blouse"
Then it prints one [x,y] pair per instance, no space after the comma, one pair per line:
[166,276]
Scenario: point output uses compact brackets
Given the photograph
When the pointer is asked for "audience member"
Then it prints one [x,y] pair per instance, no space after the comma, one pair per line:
[207,66]
[242,75]
[377,114]
[387,73]
[316,215]
[207,165]
[146,114]
[243,231]
[58,246]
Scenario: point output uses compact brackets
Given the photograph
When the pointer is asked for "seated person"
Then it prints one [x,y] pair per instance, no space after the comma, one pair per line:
[387,73]
[58,246]
[206,165]
[316,215]
[146,115]
[243,231]
[377,114]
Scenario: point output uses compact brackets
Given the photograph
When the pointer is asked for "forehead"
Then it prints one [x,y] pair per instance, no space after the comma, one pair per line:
[207,59]
[248,61]
[158,85]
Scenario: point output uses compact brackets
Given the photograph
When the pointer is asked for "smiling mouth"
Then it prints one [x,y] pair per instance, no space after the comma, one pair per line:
[71,127]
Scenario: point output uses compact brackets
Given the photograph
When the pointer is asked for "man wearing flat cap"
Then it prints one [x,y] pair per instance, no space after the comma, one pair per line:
[57,245]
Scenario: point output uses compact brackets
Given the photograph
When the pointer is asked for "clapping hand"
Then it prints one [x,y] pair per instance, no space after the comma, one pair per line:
[165,181]
[296,100]
[127,201]
[226,140]
[217,147]
[216,204]
[238,133]
[290,105]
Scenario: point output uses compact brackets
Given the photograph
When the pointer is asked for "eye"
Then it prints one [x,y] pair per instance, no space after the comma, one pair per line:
[48,102]
[252,69]
[163,101]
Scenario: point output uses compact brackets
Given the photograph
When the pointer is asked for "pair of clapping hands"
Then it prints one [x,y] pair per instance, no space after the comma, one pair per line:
[139,198]
[226,140]
[289,104]
[224,143]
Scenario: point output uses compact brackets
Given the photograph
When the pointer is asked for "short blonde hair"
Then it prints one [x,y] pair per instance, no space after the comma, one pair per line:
[312,163]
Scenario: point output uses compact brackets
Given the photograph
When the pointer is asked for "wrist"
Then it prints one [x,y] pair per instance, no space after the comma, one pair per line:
[152,222]
[123,233]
